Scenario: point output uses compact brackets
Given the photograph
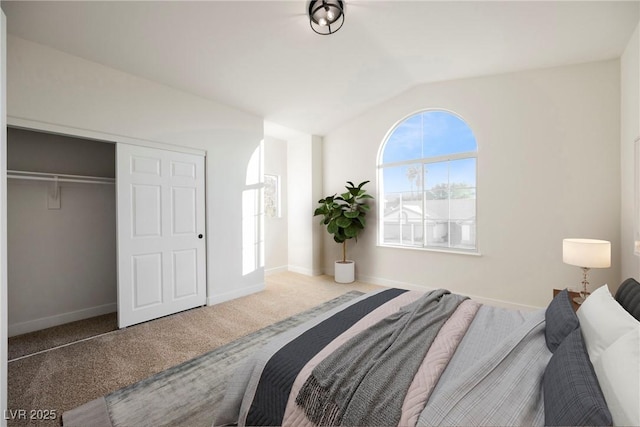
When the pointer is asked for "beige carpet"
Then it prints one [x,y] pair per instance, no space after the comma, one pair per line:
[22,345]
[69,376]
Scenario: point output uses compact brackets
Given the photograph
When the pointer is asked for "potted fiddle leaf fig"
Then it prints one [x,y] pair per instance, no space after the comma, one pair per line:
[344,217]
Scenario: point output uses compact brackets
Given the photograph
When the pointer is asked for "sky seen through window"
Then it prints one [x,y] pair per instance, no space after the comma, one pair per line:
[429,134]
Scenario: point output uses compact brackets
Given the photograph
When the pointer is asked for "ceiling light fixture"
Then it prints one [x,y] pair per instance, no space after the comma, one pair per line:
[326,16]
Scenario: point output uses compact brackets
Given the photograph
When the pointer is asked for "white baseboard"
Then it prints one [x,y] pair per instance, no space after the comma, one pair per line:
[275,270]
[305,271]
[414,287]
[504,304]
[60,319]
[392,283]
[236,293]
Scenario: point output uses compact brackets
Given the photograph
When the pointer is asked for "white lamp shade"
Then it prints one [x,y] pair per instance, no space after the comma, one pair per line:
[589,253]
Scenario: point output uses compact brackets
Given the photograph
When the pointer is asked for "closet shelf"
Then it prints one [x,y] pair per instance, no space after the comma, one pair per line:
[59,177]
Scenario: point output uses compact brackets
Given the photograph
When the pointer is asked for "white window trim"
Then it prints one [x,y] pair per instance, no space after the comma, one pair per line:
[455,251]
[435,159]
[422,161]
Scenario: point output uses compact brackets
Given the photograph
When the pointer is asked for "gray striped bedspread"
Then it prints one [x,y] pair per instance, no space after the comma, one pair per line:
[484,367]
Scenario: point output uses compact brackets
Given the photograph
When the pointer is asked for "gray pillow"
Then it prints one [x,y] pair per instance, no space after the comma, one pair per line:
[572,394]
[628,296]
[560,320]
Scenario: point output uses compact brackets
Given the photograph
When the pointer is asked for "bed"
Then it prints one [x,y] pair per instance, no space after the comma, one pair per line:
[398,357]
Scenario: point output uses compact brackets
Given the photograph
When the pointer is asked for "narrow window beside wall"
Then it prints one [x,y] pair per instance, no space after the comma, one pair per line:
[253,214]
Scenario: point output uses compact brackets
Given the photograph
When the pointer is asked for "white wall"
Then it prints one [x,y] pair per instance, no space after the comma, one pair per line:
[275,228]
[45,152]
[50,86]
[548,168]
[304,170]
[62,261]
[630,131]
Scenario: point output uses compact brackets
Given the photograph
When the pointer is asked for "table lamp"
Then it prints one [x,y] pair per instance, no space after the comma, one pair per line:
[586,254]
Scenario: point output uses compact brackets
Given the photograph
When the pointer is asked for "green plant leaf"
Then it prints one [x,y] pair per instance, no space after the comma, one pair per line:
[343,214]
[351,231]
[343,222]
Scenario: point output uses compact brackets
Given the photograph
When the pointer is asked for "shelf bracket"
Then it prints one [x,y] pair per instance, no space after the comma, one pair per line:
[53,195]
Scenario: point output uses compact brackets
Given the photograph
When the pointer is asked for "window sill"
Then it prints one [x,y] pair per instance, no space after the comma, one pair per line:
[443,250]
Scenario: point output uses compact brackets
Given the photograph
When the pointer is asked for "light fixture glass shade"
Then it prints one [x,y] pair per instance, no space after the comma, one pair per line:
[589,253]
[326,16]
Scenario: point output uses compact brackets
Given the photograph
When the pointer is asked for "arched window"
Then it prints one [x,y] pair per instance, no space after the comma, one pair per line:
[427,183]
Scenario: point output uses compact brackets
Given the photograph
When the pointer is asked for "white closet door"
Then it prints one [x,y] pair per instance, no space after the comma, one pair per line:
[161,227]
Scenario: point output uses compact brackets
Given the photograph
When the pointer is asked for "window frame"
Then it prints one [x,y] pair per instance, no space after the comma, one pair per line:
[380,166]
[275,197]
[252,214]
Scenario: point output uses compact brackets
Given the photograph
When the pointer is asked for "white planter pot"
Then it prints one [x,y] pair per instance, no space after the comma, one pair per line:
[345,272]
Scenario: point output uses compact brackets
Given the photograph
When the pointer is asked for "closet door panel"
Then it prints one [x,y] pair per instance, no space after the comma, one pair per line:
[145,165]
[185,273]
[161,245]
[147,280]
[146,211]
[184,210]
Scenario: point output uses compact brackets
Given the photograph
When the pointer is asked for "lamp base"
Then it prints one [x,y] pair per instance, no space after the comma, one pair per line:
[585,285]
[579,300]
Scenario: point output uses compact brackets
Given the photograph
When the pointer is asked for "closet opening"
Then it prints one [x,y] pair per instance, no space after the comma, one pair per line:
[61,229]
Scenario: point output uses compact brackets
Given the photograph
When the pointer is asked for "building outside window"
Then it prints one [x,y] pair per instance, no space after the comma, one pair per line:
[427,169]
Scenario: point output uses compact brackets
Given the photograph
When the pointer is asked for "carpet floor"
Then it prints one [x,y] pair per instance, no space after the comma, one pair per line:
[67,377]
[34,342]
[189,394]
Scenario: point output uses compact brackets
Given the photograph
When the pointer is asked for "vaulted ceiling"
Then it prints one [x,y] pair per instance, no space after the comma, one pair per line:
[263,58]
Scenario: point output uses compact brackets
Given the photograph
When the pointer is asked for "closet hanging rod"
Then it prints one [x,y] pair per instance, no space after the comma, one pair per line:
[58,177]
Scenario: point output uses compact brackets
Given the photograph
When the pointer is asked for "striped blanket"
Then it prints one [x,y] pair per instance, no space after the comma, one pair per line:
[379,374]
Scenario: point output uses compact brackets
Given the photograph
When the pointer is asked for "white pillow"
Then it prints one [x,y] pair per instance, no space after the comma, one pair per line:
[618,371]
[603,321]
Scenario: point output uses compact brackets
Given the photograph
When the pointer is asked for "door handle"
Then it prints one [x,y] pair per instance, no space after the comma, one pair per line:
[199,236]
